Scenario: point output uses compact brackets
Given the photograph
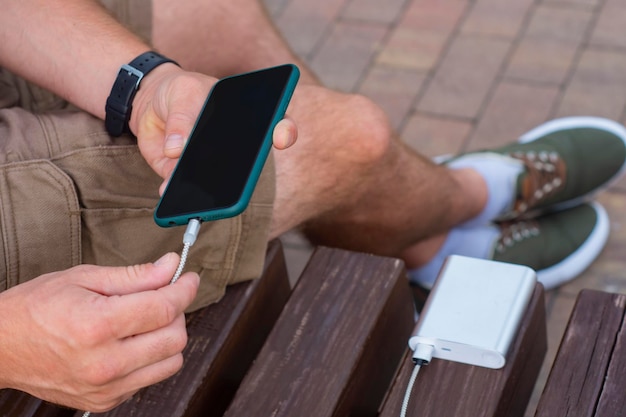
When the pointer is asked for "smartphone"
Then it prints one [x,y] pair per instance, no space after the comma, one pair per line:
[222,161]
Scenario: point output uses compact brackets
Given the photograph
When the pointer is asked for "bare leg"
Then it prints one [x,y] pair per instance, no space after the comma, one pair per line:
[348,182]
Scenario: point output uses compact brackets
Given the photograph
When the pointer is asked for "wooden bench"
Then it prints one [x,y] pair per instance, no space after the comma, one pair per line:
[331,347]
[588,376]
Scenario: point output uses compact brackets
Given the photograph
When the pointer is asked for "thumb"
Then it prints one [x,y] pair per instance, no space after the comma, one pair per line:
[174,144]
[184,103]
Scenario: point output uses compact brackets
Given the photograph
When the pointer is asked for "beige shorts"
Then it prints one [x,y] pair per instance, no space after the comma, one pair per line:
[70,194]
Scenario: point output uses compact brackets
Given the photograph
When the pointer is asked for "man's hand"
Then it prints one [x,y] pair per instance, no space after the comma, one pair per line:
[89,337]
[165,110]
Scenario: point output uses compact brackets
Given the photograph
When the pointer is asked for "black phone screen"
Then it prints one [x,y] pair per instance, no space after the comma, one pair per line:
[221,152]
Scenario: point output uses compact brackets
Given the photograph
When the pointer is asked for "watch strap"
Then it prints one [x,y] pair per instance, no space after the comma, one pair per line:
[119,104]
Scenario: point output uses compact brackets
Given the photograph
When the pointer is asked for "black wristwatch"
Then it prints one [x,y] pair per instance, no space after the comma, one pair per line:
[120,102]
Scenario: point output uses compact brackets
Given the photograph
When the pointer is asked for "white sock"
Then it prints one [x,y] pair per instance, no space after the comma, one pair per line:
[476,242]
[500,173]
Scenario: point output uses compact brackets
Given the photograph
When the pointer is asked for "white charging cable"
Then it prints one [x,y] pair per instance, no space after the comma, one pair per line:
[422,356]
[189,238]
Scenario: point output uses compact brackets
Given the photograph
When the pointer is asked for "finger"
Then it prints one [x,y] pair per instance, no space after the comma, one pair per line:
[132,279]
[132,353]
[152,347]
[142,312]
[124,387]
[285,133]
[154,373]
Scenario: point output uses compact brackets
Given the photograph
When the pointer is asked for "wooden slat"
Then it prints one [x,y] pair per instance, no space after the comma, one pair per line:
[337,343]
[445,388]
[19,404]
[613,399]
[579,372]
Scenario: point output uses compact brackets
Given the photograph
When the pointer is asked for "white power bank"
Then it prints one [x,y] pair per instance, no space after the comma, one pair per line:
[474,310]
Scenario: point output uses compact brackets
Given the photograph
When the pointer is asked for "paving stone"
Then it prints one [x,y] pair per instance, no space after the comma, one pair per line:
[611,22]
[421,35]
[513,110]
[434,15]
[304,23]
[346,53]
[598,87]
[587,4]
[371,10]
[434,136]
[547,50]
[412,49]
[500,18]
[394,89]
[542,60]
[465,77]
[559,23]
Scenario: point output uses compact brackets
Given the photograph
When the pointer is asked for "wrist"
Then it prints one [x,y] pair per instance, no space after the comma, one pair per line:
[119,104]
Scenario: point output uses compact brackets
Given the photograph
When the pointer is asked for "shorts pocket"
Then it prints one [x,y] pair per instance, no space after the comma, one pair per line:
[39,221]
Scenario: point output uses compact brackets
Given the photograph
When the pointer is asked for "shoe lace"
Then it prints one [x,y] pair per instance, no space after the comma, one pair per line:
[546,173]
[514,232]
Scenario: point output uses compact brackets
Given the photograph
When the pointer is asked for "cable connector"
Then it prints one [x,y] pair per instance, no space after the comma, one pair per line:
[189,238]
[423,354]
[193,227]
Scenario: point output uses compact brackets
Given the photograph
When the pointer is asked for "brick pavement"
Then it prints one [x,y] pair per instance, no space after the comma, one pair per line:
[457,75]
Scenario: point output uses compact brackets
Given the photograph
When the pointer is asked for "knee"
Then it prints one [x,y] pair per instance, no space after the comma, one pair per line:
[372,127]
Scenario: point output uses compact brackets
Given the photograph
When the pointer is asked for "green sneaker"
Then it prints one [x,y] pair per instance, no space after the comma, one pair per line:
[561,164]
[558,246]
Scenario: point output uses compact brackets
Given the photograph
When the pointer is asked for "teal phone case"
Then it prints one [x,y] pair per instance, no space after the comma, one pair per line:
[246,195]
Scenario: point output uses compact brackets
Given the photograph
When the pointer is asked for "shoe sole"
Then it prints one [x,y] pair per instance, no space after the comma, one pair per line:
[581,258]
[573,123]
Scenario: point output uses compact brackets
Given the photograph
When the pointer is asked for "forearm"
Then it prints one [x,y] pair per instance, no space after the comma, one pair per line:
[71,47]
